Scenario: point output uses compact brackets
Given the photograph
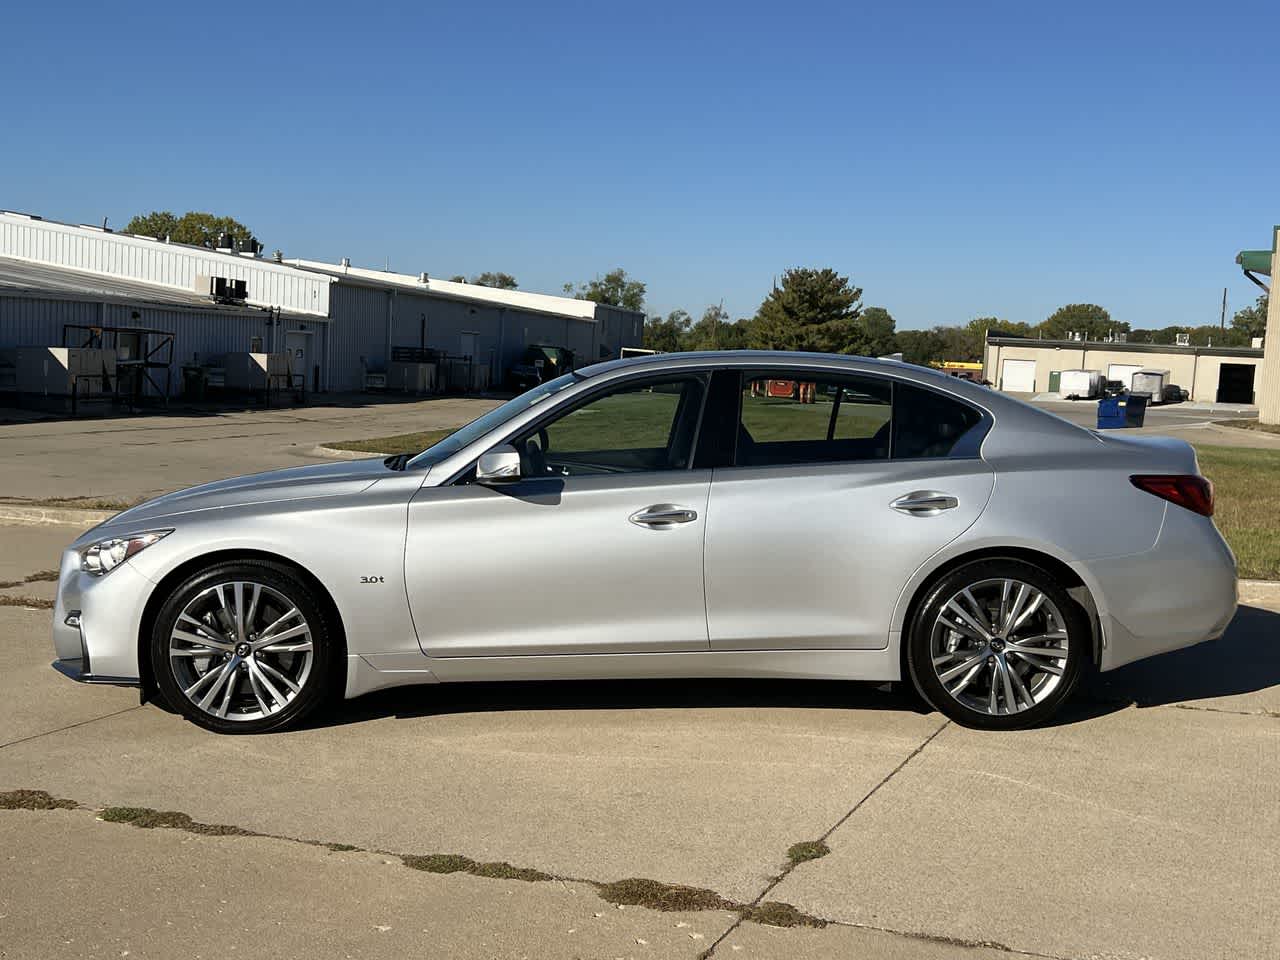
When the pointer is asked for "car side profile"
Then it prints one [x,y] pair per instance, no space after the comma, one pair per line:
[735,514]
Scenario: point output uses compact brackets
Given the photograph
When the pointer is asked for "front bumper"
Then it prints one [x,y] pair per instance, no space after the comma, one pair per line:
[96,622]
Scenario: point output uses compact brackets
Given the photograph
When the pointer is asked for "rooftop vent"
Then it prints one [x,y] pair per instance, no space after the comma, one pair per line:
[346,262]
[422,277]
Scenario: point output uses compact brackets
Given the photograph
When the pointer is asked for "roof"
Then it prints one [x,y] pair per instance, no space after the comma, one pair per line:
[1122,347]
[41,279]
[470,292]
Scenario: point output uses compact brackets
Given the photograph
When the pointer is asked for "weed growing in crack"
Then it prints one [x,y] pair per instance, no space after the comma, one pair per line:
[33,800]
[774,913]
[807,850]
[639,892]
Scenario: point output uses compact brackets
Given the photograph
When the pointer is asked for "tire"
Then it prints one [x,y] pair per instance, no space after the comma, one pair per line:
[277,677]
[968,664]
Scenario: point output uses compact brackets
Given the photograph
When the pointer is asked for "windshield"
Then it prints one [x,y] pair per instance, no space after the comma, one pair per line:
[490,421]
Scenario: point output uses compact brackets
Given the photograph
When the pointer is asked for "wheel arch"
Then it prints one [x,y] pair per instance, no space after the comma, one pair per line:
[1060,569]
[162,589]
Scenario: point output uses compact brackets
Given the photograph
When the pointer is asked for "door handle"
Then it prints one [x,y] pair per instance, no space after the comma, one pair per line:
[663,515]
[925,503]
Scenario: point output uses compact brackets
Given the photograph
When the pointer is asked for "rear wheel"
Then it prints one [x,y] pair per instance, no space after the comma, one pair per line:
[244,647]
[998,644]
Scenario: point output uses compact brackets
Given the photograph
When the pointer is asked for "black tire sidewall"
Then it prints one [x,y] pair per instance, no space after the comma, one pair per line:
[325,646]
[1079,640]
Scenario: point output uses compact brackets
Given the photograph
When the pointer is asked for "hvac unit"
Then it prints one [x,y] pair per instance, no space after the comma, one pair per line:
[62,371]
[256,371]
[222,289]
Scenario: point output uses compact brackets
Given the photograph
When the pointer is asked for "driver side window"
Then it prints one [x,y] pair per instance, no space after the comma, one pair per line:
[636,428]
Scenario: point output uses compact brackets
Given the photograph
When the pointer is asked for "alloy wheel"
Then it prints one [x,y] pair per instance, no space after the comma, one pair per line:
[241,650]
[999,646]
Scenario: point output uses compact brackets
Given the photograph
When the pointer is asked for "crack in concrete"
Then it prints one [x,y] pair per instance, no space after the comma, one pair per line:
[69,726]
[953,941]
[792,864]
[651,894]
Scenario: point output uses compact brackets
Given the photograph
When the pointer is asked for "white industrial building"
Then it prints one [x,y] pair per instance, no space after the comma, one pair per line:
[333,322]
[1207,374]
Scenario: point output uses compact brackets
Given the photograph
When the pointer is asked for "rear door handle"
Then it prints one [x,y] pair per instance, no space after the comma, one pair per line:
[663,515]
[925,503]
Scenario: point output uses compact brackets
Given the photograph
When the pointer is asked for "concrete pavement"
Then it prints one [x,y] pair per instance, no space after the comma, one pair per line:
[1142,825]
[130,457]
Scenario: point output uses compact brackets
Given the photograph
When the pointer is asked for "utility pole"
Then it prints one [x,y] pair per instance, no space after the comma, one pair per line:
[1223,322]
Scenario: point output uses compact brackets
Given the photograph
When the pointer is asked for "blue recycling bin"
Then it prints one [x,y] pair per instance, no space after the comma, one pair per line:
[1110,413]
[1118,412]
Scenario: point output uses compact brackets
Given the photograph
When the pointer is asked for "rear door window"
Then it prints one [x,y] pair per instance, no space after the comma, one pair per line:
[789,419]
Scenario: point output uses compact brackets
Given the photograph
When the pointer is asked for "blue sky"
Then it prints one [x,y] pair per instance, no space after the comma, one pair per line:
[955,160]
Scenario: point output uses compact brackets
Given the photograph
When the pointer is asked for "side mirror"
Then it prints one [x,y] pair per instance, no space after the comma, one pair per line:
[499,465]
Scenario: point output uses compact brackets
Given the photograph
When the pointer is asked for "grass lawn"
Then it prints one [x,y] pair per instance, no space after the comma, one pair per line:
[1252,425]
[400,443]
[1246,485]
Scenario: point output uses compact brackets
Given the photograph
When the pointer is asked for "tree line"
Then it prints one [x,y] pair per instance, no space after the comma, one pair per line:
[809,308]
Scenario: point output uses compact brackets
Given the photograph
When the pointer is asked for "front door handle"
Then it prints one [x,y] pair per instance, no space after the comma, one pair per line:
[663,515]
[925,503]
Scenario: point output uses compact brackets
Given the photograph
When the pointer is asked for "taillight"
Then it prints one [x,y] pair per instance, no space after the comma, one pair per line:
[1186,490]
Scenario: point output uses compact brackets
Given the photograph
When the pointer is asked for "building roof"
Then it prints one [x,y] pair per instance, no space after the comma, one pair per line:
[1034,344]
[471,292]
[41,279]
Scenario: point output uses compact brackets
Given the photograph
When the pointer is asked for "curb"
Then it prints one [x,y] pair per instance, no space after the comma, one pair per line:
[41,516]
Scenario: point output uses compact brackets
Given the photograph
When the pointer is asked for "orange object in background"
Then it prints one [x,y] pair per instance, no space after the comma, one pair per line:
[780,389]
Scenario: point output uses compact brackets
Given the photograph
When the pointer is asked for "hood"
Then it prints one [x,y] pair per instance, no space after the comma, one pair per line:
[294,483]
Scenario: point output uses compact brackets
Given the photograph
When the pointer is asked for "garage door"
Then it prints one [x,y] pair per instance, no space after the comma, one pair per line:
[1123,372]
[1018,376]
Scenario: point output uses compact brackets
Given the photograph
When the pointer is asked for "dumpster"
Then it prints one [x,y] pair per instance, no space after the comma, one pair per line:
[1122,411]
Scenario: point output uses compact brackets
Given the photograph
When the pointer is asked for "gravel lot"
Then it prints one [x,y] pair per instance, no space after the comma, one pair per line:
[1142,825]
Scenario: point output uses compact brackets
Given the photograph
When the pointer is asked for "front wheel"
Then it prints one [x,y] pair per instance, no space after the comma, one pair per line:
[244,647]
[998,645]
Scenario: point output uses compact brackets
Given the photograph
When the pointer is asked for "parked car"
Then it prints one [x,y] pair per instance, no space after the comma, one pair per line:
[539,364]
[662,517]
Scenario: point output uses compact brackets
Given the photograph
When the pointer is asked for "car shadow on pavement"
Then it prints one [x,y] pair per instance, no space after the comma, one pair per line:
[482,697]
[1246,659]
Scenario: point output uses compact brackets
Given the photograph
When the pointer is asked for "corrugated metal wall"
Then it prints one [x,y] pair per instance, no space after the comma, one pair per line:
[172,265]
[1268,389]
[198,335]
[360,331]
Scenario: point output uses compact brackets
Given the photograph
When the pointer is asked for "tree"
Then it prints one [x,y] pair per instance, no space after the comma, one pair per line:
[499,281]
[614,289]
[666,335]
[876,333]
[197,229]
[811,309]
[710,331]
[1252,321]
[1087,318]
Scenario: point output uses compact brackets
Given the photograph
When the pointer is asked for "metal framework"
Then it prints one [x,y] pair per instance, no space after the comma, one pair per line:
[154,353]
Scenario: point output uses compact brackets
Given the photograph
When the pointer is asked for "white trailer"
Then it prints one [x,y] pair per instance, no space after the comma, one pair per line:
[1080,384]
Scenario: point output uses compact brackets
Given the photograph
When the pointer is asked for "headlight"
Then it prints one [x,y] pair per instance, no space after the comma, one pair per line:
[105,555]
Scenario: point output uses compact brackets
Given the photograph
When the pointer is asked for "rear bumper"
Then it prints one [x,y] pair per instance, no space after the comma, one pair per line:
[1179,593]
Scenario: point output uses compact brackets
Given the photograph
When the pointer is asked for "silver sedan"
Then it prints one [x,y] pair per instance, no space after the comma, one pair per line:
[689,515]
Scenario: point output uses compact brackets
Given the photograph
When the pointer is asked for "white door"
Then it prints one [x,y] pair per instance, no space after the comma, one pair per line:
[1123,372]
[1018,376]
[297,344]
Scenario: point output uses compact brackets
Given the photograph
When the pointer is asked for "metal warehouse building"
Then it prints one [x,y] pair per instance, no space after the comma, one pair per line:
[334,321]
[1209,374]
